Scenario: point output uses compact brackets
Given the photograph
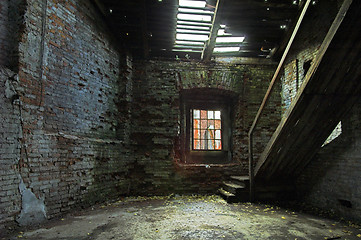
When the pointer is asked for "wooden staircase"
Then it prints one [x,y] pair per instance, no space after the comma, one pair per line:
[236,189]
[329,90]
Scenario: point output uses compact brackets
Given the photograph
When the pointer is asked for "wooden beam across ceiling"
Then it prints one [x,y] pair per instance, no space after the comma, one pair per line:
[208,50]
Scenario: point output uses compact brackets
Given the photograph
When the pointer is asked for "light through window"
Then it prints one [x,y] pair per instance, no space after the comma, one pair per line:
[207,130]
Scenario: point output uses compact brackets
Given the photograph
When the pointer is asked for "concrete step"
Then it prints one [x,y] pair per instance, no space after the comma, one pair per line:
[229,197]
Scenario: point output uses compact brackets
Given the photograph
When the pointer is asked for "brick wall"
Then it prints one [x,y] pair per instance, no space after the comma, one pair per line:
[80,123]
[66,142]
[156,121]
[10,133]
[332,180]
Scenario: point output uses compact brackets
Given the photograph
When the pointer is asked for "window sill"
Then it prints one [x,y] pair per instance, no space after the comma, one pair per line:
[204,165]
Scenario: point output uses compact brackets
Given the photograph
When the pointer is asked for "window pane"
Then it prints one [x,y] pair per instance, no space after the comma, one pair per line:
[196,144]
[207,132]
[204,124]
[217,124]
[203,134]
[196,134]
[210,124]
[196,123]
[210,134]
[218,134]
[196,114]
[218,145]
[210,144]
[203,144]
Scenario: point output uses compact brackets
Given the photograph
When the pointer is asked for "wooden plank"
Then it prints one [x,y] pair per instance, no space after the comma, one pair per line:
[309,135]
[296,126]
[208,50]
[276,74]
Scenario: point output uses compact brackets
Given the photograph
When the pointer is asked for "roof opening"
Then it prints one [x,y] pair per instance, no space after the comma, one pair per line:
[194,24]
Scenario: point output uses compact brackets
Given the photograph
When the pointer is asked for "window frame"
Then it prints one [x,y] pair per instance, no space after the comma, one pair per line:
[208,101]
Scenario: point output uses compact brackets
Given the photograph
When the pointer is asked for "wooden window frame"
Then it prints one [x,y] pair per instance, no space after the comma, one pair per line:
[191,100]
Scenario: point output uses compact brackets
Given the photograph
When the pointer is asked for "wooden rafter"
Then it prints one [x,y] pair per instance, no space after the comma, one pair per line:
[208,49]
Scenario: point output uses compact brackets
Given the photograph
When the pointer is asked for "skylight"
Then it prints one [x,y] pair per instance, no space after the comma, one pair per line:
[180,42]
[192,37]
[190,10]
[189,3]
[194,24]
[226,49]
[194,17]
[229,39]
[180,26]
[192,31]
[222,32]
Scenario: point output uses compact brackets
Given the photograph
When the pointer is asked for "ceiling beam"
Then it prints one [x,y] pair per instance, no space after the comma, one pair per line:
[208,50]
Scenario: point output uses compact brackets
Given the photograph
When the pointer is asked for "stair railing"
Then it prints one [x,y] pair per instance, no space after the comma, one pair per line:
[265,100]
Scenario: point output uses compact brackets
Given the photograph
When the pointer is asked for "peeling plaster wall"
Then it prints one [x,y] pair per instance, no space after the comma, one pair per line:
[32,209]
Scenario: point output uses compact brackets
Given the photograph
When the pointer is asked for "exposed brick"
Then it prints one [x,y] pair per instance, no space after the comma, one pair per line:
[68,116]
[156,115]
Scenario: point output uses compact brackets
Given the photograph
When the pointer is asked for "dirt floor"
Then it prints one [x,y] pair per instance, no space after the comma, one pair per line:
[189,217]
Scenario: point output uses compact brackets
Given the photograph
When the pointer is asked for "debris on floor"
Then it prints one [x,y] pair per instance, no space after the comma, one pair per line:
[187,218]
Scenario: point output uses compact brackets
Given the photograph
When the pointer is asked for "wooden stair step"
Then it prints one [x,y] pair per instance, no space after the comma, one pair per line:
[234,185]
[240,178]
[229,197]
[234,188]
